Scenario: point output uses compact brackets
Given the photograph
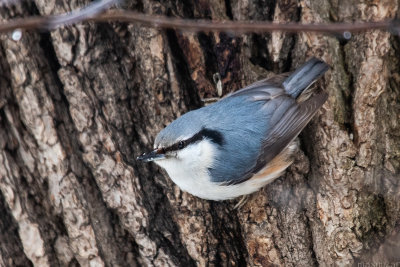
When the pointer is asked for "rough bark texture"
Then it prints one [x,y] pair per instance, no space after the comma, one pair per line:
[78,104]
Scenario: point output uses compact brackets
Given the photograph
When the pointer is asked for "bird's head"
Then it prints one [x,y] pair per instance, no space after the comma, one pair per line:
[185,144]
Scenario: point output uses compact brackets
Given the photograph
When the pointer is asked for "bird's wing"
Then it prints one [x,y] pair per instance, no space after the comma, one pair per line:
[284,132]
[263,90]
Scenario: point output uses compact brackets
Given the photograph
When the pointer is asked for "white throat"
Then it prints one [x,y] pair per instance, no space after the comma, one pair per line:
[189,169]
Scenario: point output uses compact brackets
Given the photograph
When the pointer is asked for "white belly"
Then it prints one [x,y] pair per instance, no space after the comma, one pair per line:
[202,187]
[199,183]
[193,177]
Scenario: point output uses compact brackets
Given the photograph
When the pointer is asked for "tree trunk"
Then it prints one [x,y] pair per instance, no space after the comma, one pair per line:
[78,104]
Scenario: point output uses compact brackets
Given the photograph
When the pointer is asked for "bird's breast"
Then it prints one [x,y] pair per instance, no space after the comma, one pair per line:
[194,177]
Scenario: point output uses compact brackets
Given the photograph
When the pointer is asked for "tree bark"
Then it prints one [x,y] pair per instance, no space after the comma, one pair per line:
[78,104]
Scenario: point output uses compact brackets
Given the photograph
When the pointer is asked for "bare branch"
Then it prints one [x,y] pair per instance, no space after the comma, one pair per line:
[238,26]
[92,13]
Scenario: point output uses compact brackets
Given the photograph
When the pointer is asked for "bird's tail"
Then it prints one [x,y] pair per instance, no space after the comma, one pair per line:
[304,76]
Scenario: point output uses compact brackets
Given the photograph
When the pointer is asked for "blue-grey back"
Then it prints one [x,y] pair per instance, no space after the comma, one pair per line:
[244,129]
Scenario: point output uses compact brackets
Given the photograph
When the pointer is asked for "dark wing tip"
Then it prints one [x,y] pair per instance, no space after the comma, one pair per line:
[304,76]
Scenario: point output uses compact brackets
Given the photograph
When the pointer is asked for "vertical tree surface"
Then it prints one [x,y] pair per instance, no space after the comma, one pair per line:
[79,103]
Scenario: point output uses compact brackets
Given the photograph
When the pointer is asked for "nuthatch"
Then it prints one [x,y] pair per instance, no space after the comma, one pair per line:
[242,142]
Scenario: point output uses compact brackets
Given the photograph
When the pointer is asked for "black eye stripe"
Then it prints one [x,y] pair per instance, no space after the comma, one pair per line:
[181,144]
[214,135]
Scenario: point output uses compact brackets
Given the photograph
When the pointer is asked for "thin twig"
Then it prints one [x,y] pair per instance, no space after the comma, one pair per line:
[92,13]
[238,26]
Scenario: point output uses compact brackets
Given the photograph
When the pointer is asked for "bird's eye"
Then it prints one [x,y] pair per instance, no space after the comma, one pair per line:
[181,144]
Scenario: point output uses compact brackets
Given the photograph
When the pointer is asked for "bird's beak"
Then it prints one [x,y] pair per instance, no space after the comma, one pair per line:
[151,156]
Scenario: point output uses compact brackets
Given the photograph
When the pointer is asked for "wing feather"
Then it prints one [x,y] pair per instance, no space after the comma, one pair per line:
[285,131]
[263,90]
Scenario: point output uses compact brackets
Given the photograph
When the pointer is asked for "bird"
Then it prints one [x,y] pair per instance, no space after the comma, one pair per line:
[242,142]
